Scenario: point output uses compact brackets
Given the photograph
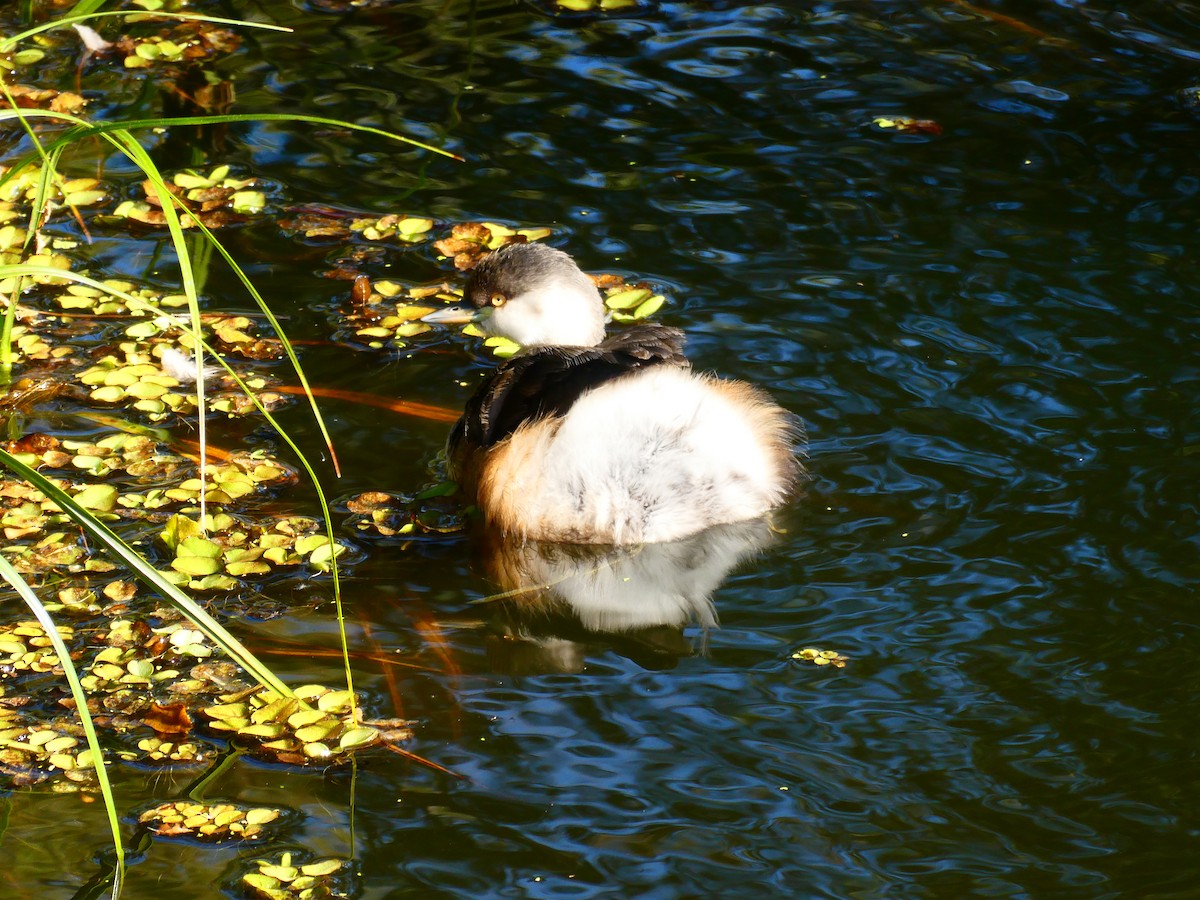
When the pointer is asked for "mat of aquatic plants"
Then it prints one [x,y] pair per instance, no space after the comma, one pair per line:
[954,238]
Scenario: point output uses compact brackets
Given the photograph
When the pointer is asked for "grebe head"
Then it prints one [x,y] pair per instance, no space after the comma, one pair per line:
[534,295]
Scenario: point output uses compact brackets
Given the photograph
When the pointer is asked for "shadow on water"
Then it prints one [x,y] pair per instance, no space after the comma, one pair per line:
[990,334]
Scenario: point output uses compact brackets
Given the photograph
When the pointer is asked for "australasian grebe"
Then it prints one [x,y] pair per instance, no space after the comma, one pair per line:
[593,440]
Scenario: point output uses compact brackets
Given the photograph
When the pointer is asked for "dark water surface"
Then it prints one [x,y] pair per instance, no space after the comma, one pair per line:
[991,337]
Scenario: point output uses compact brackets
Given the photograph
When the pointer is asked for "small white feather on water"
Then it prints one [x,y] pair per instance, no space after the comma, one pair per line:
[182,366]
[91,39]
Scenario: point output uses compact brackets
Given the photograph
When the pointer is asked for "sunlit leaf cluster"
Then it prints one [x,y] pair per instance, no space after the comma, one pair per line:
[185,43]
[25,649]
[33,752]
[375,513]
[316,726]
[215,200]
[286,878]
[231,549]
[469,242]
[821,657]
[595,5]
[210,822]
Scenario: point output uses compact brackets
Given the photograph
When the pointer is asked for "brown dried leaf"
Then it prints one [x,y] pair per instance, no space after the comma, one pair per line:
[169,719]
[368,502]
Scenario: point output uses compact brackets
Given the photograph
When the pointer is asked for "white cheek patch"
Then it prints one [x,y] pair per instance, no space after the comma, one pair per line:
[550,316]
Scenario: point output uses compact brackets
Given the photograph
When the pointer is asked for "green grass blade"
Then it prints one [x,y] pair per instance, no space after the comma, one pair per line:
[49,167]
[84,128]
[7,357]
[86,7]
[126,142]
[277,327]
[227,118]
[21,586]
[6,44]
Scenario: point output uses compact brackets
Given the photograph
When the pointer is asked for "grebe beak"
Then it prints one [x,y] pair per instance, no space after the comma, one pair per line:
[456,315]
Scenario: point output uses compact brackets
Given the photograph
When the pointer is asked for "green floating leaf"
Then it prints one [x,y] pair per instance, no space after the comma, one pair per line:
[198,546]
[179,529]
[650,307]
[248,201]
[197,566]
[358,737]
[322,867]
[443,489]
[626,299]
[97,497]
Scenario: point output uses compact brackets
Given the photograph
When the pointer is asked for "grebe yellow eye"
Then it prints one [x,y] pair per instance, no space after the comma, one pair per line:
[497,299]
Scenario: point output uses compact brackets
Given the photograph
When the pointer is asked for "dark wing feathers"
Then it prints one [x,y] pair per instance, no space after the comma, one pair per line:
[547,381]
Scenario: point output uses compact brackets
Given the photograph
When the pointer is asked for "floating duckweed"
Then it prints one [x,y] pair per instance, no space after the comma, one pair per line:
[42,98]
[644,310]
[74,191]
[470,241]
[97,497]
[595,5]
[375,512]
[55,552]
[907,125]
[213,823]
[75,599]
[82,296]
[161,751]
[502,347]
[249,202]
[12,237]
[387,311]
[239,549]
[624,299]
[408,229]
[629,304]
[25,648]
[28,57]
[30,345]
[152,388]
[137,655]
[821,657]
[213,199]
[183,44]
[33,753]
[283,879]
[314,725]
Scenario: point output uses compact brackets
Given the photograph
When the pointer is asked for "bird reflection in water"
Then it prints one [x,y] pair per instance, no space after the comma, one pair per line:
[557,601]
